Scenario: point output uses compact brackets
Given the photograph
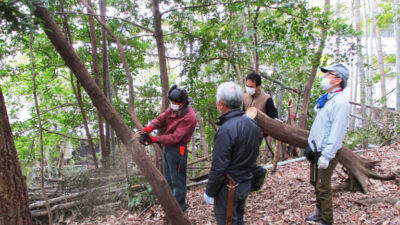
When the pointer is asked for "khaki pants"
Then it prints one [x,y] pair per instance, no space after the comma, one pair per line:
[323,189]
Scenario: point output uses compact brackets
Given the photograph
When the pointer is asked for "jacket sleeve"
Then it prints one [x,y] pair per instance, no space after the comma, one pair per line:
[338,131]
[159,121]
[221,160]
[270,109]
[184,128]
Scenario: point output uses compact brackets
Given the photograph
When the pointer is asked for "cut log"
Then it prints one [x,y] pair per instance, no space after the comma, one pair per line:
[359,169]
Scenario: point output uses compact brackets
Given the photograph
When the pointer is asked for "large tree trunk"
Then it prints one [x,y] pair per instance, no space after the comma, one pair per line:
[72,60]
[315,64]
[357,167]
[14,202]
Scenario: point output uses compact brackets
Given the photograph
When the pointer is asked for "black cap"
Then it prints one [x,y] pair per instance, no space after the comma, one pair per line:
[178,94]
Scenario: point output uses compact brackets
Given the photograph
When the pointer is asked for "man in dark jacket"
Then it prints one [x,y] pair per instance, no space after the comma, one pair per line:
[179,122]
[234,153]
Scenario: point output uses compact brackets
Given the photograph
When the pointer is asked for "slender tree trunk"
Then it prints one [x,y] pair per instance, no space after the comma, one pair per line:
[45,197]
[72,60]
[14,198]
[158,33]
[315,64]
[95,66]
[106,151]
[381,72]
[360,68]
[85,123]
[202,135]
[371,55]
[255,41]
[396,18]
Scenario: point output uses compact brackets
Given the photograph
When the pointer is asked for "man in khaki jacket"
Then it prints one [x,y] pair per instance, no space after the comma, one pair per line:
[256,97]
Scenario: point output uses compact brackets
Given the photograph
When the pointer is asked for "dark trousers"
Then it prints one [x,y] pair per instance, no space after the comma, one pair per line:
[323,188]
[221,201]
[174,168]
[258,172]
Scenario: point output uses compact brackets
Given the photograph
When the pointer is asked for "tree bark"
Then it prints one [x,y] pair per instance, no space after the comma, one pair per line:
[160,186]
[14,202]
[315,64]
[95,66]
[358,168]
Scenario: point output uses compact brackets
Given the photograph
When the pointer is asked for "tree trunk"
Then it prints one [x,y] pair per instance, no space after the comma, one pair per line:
[160,186]
[396,18]
[45,197]
[158,33]
[360,68]
[95,67]
[202,135]
[381,72]
[105,153]
[358,168]
[14,202]
[315,64]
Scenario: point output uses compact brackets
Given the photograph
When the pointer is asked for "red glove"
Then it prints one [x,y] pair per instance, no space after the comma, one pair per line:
[152,139]
[147,129]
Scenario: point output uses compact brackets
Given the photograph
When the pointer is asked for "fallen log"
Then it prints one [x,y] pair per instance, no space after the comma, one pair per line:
[359,169]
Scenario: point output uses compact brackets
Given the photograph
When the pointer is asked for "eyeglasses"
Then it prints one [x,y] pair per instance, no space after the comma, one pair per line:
[330,73]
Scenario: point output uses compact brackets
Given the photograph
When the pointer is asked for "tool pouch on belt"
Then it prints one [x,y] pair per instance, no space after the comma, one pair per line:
[310,154]
[231,199]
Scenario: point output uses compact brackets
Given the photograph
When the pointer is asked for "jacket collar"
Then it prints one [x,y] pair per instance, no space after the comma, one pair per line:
[226,116]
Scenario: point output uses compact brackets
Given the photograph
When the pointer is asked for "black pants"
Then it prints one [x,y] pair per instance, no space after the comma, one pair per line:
[174,168]
[258,173]
[221,201]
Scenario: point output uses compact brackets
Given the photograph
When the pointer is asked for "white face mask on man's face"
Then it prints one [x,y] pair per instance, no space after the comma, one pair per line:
[326,83]
[250,91]
[174,107]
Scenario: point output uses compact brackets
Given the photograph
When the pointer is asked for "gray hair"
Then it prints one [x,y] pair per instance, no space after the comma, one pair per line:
[231,94]
[343,84]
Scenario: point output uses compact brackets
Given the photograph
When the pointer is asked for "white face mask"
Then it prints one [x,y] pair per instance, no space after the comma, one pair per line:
[174,107]
[326,83]
[250,91]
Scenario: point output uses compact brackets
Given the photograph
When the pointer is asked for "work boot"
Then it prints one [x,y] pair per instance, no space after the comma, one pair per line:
[323,222]
[315,216]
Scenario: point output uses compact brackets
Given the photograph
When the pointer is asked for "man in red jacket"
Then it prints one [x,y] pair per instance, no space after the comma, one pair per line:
[179,122]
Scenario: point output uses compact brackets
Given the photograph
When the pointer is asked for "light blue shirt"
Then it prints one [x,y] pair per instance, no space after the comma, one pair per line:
[330,124]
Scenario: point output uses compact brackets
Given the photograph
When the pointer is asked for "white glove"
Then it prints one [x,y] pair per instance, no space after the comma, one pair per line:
[208,199]
[323,162]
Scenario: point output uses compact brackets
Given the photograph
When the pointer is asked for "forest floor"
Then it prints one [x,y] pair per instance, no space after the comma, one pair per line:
[287,198]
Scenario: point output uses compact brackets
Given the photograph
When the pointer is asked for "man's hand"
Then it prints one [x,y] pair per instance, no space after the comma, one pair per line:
[208,199]
[151,140]
[147,129]
[323,162]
